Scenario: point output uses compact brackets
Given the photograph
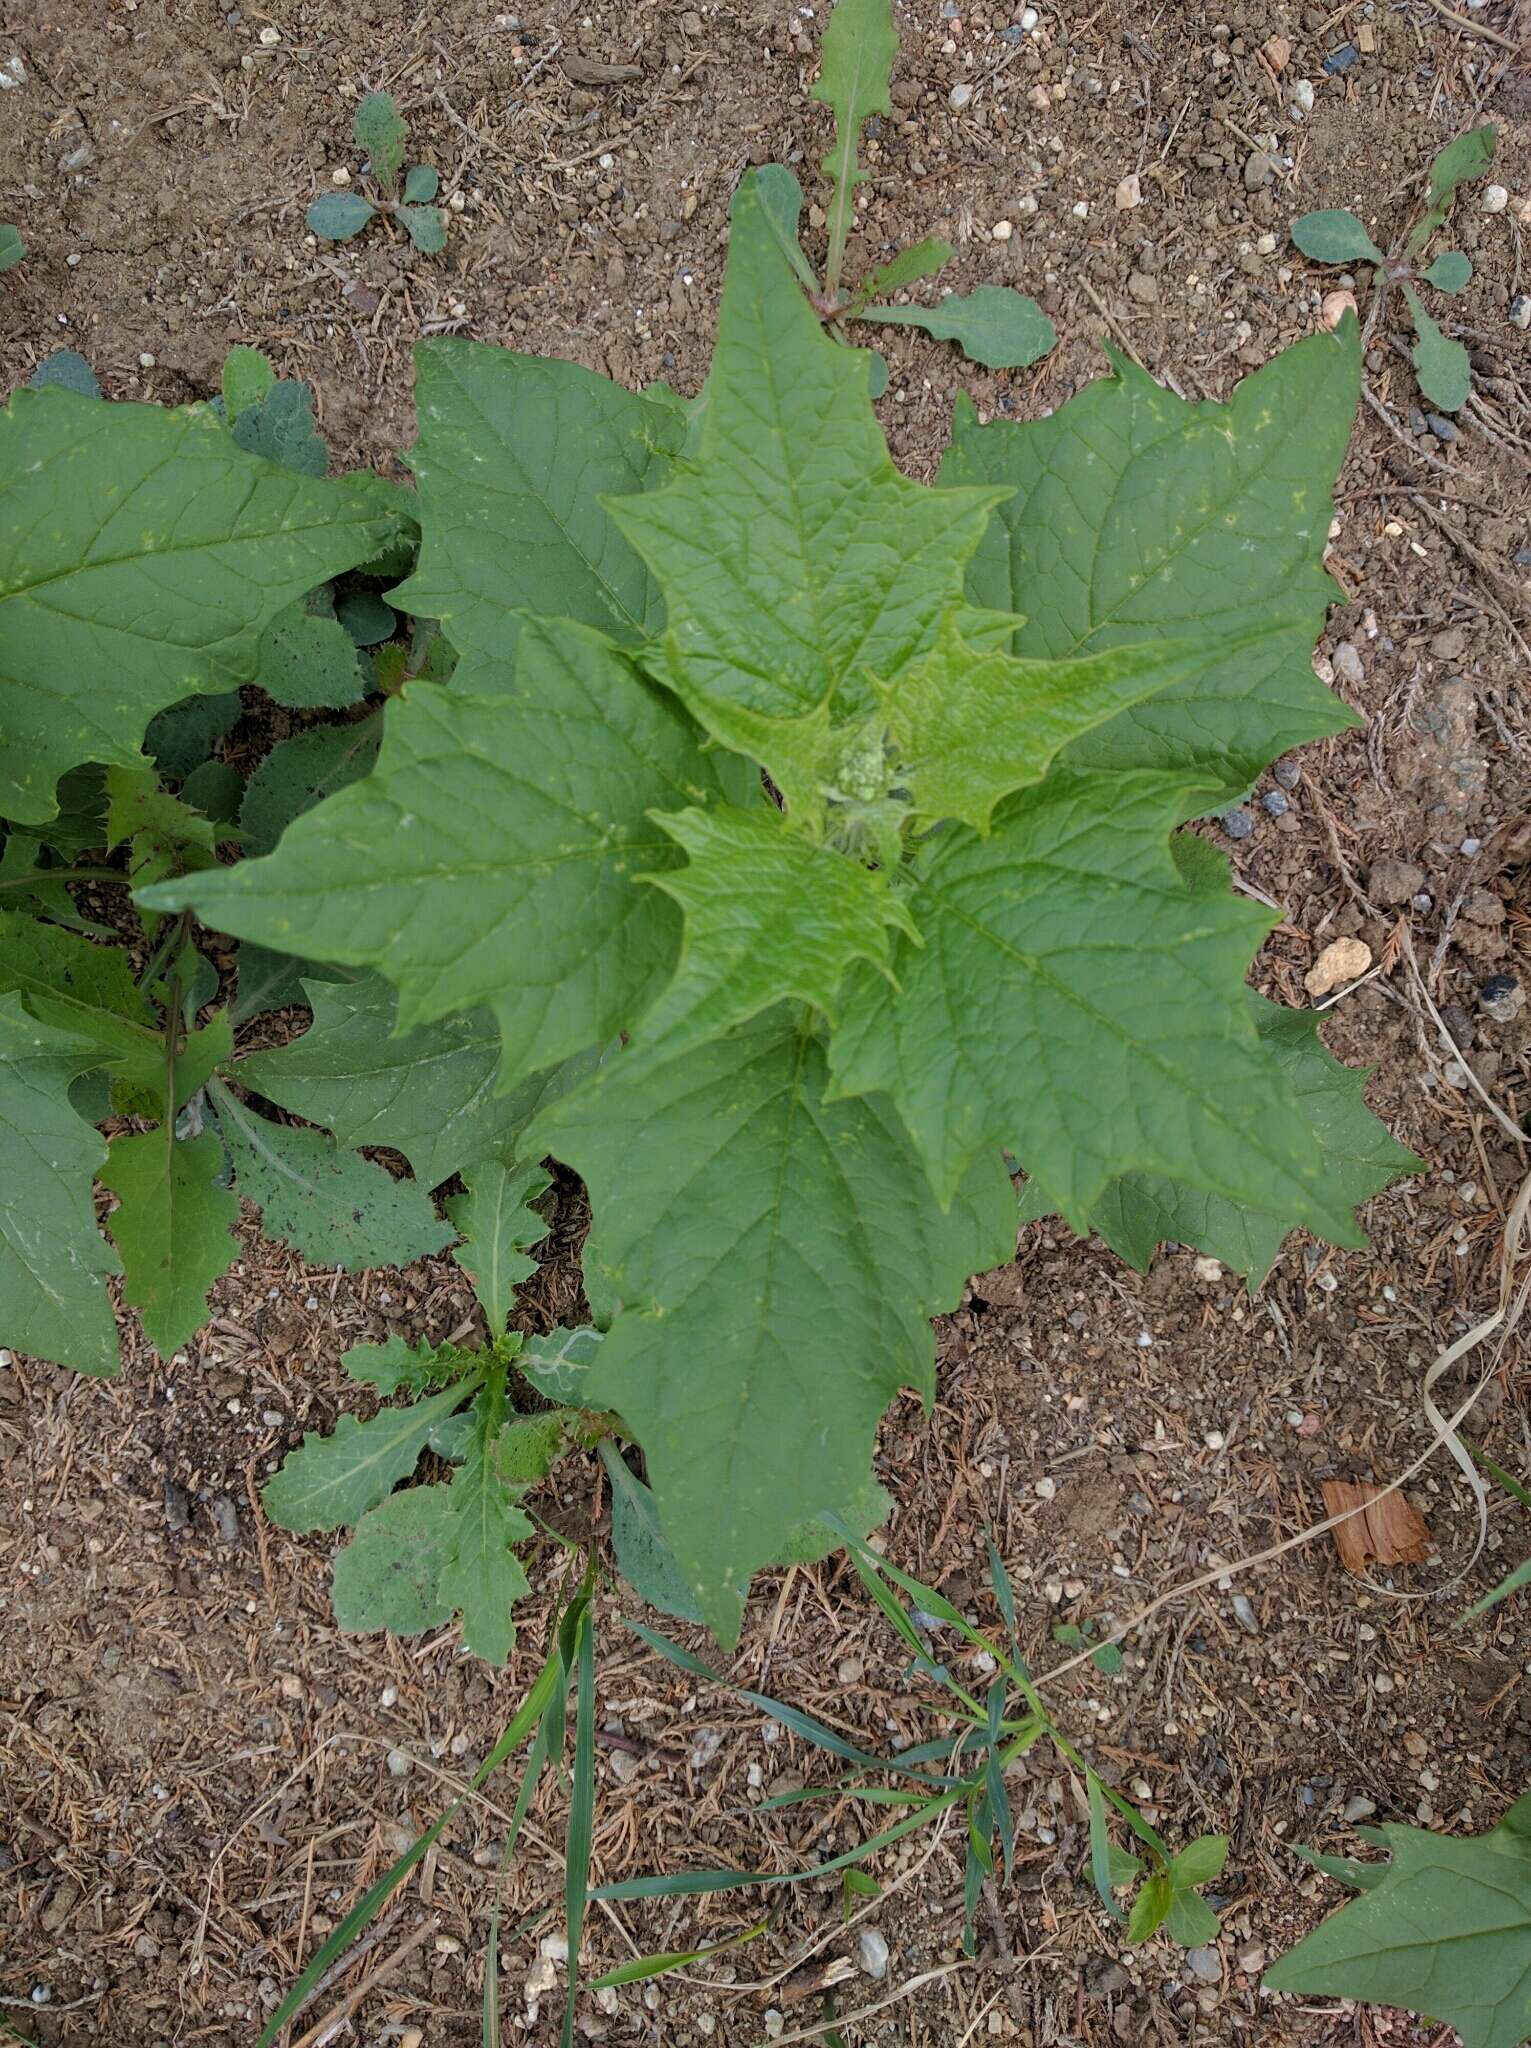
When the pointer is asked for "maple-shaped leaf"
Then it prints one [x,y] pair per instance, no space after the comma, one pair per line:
[971,726]
[1444,1932]
[1141,1211]
[769,1261]
[142,554]
[173,1227]
[514,458]
[793,557]
[430,1093]
[769,914]
[489,857]
[53,1259]
[498,1225]
[1137,516]
[1077,1002]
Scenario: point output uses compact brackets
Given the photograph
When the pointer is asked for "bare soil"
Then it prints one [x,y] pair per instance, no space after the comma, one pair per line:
[200,1773]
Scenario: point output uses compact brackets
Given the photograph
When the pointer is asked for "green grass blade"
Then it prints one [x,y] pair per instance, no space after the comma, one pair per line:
[525,1718]
[536,1758]
[1004,1595]
[1100,1848]
[660,1965]
[1505,1479]
[1521,1576]
[581,1814]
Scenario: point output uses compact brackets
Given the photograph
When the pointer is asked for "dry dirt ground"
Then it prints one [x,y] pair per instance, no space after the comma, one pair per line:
[196,1766]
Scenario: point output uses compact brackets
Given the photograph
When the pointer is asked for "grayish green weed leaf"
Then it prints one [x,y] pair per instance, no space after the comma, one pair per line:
[173,1227]
[498,1225]
[337,216]
[281,427]
[860,43]
[1450,271]
[1334,236]
[389,1574]
[380,132]
[992,325]
[1442,366]
[330,1482]
[67,369]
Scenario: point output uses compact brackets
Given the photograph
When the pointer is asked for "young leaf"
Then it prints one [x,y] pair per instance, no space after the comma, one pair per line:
[1445,1933]
[1449,272]
[794,557]
[643,1557]
[309,662]
[781,202]
[105,572]
[515,458]
[497,1223]
[1077,1003]
[381,134]
[430,1094]
[1468,157]
[860,44]
[1442,367]
[972,727]
[1136,516]
[489,856]
[281,427]
[785,1251]
[768,915]
[366,620]
[992,325]
[421,185]
[389,1574]
[329,1482]
[247,378]
[67,369]
[12,248]
[395,1367]
[173,1227]
[333,1206]
[1151,1907]
[299,773]
[1334,236]
[181,739]
[71,985]
[426,227]
[53,1260]
[480,1573]
[337,216]
[906,268]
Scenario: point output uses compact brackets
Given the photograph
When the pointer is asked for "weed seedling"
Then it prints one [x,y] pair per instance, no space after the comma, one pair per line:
[12,248]
[995,326]
[380,132]
[1334,235]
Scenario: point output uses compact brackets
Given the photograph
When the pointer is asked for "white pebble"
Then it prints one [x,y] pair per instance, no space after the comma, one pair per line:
[1028,19]
[1266,245]
[340,175]
[1082,210]
[1130,192]
[399,1765]
[1213,1439]
[1026,205]
[1336,305]
[1002,230]
[1495,199]
[874,1954]
[1302,98]
[773,2022]
[270,36]
[1045,1488]
[960,95]
[458,201]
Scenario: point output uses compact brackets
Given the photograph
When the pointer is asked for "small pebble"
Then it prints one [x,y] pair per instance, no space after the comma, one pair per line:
[1341,59]
[772,2021]
[1238,824]
[1129,192]
[1520,311]
[1495,199]
[874,1954]
[1302,97]
[1502,998]
[1275,802]
[1029,19]
[1287,774]
[399,1765]
[1470,846]
[1208,1269]
[1245,1613]
[1347,663]
[1277,53]
[1082,209]
[960,95]
[1002,230]
[851,1671]
[1440,426]
[1359,1808]
[1266,246]
[1045,1488]
[1026,205]
[1336,305]
[1205,1964]
[146,361]
[40,1994]
[270,36]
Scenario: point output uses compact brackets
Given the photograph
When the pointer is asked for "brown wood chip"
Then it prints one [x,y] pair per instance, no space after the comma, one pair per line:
[588,71]
[811,1982]
[1388,1531]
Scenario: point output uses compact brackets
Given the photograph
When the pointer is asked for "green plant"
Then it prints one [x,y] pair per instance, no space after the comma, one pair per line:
[958,911]
[995,326]
[12,248]
[381,135]
[965,1773]
[1520,1576]
[1442,1928]
[1336,236]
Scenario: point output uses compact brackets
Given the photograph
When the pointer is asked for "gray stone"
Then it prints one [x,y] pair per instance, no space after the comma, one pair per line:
[1205,1965]
[1347,662]
[873,1954]
[1143,288]
[1393,881]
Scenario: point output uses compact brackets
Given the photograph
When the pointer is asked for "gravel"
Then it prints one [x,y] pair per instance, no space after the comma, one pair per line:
[1238,824]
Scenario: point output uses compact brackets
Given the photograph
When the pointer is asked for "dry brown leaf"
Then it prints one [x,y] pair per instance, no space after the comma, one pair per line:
[1389,1530]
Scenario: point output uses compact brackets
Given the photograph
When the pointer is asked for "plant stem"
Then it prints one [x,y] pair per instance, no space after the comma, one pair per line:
[40,875]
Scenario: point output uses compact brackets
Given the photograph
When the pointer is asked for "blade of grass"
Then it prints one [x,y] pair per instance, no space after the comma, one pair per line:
[1507,1480]
[1004,1595]
[1521,1576]
[526,1717]
[792,1717]
[1100,1848]
[581,1815]
[659,1965]
[536,1758]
